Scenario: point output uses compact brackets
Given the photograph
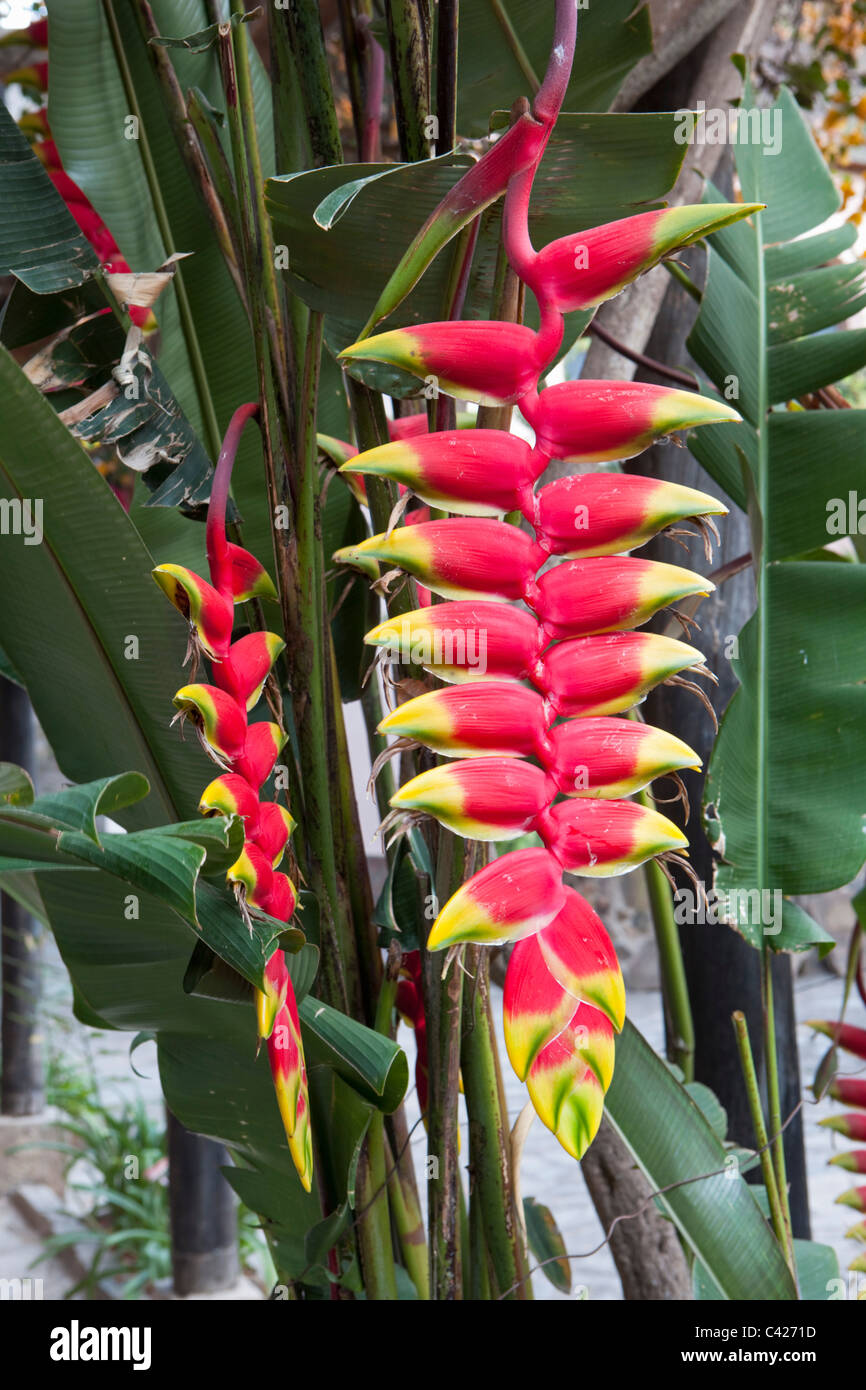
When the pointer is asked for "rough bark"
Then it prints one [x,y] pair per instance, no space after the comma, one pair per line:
[646,1249]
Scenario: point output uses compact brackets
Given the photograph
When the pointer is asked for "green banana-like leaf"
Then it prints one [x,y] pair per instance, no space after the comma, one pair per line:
[785,798]
[716,1215]
[88,110]
[504,48]
[40,242]
[96,644]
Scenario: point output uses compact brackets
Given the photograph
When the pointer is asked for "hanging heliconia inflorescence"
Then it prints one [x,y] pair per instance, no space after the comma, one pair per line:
[246,754]
[571,652]
[851,1092]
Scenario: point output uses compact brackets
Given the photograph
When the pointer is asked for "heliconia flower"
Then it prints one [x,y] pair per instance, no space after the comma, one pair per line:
[566,1093]
[274,830]
[536,1009]
[244,669]
[851,1090]
[263,744]
[209,613]
[471,472]
[516,895]
[271,999]
[535,1006]
[601,839]
[857,1231]
[587,597]
[853,1126]
[854,1161]
[580,956]
[480,798]
[853,1197]
[586,268]
[613,758]
[484,718]
[410,1006]
[848,1037]
[286,1058]
[250,579]
[32,75]
[231,795]
[599,421]
[493,363]
[252,871]
[858,1264]
[608,513]
[407,426]
[608,674]
[220,719]
[463,641]
[282,899]
[460,559]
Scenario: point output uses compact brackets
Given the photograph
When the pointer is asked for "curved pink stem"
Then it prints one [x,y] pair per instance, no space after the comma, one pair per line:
[217,544]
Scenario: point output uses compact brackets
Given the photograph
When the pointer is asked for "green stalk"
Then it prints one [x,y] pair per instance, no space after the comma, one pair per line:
[373,1227]
[212,431]
[442,1008]
[408,32]
[763,728]
[303,27]
[409,1225]
[310,683]
[190,147]
[774,1101]
[750,1077]
[679,1022]
[489,1135]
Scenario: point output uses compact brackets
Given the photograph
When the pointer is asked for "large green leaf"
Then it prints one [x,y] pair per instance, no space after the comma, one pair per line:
[610,40]
[785,798]
[716,1215]
[99,649]
[40,242]
[88,111]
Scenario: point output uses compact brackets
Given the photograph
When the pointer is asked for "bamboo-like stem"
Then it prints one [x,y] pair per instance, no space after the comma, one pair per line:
[193,347]
[310,686]
[409,1225]
[774,1102]
[679,1022]
[304,28]
[410,72]
[489,1133]
[373,1229]
[190,147]
[446,74]
[750,1078]
[442,1009]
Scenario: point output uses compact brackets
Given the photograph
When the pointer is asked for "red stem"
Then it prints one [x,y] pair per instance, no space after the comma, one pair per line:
[217,545]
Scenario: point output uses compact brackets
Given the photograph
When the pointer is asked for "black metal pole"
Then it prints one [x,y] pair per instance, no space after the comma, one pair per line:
[21,1080]
[203,1209]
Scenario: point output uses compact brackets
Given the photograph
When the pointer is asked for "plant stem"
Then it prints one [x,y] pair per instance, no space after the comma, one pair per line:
[374,1225]
[409,1225]
[750,1077]
[446,74]
[489,1136]
[410,73]
[442,1009]
[196,361]
[774,1103]
[679,1022]
[303,24]
[190,147]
